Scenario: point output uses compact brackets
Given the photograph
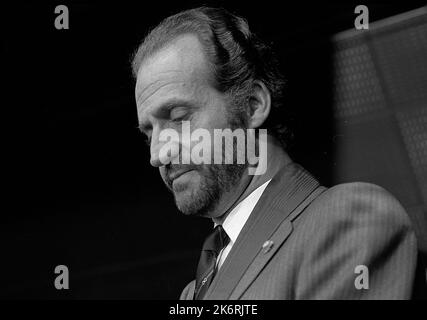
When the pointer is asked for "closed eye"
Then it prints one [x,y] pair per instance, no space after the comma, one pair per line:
[181,115]
[180,118]
[180,112]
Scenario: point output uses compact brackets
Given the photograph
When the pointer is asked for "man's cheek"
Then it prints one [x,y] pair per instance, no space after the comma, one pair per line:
[196,178]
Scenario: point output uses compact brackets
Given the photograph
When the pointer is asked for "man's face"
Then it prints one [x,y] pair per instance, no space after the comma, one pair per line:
[174,85]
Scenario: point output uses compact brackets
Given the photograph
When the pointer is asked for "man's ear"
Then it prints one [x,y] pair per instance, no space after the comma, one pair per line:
[259,105]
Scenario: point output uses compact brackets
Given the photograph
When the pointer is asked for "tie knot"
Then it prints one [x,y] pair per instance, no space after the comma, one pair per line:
[217,240]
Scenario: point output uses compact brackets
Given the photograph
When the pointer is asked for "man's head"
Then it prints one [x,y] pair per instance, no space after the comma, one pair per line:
[206,67]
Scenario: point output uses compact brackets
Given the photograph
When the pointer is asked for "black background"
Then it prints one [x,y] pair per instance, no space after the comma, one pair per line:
[79,189]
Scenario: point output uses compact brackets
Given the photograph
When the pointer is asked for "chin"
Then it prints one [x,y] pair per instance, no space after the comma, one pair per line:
[192,201]
[185,198]
[188,205]
[196,193]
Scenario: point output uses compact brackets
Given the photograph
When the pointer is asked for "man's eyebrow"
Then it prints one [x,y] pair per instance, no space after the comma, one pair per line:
[164,110]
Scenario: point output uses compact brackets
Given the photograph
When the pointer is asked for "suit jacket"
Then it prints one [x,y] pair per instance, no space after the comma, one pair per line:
[318,237]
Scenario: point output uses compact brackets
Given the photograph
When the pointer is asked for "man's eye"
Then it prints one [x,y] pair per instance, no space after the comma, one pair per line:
[180,118]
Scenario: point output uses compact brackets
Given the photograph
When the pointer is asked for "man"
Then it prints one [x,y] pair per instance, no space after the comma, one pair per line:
[279,234]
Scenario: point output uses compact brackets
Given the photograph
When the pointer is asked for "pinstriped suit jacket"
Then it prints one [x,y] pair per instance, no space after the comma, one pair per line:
[319,237]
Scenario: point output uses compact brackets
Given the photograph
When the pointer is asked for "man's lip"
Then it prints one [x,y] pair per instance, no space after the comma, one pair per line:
[179,173]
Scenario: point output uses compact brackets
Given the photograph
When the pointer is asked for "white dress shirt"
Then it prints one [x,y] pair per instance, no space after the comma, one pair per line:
[237,218]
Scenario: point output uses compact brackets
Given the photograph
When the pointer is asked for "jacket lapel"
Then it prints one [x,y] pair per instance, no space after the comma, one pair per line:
[288,189]
[265,254]
[188,292]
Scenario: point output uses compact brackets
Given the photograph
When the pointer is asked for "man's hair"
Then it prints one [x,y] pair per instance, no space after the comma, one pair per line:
[236,56]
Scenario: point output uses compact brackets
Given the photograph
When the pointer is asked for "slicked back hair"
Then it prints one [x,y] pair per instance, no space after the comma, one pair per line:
[237,58]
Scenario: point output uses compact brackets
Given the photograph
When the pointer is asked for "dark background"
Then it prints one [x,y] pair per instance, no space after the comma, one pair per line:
[79,190]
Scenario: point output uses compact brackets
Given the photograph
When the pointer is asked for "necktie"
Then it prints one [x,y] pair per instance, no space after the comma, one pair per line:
[206,269]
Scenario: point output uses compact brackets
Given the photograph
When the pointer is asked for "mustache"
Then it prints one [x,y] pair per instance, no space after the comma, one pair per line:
[172,171]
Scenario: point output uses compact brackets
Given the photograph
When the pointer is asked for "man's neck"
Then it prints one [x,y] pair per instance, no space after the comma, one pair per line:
[276,159]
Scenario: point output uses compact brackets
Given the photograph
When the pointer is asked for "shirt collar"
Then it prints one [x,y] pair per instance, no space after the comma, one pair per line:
[237,218]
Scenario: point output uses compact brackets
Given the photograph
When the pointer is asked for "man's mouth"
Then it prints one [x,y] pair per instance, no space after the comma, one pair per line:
[176,174]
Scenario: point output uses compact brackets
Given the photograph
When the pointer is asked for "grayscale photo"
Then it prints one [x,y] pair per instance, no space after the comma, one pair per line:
[215,150]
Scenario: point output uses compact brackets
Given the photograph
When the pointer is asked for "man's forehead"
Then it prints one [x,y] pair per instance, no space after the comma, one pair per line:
[180,62]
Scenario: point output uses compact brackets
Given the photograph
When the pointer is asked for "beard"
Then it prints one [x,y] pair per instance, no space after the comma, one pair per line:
[207,182]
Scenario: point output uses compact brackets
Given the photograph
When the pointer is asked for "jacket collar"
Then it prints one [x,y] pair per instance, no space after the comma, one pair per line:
[288,188]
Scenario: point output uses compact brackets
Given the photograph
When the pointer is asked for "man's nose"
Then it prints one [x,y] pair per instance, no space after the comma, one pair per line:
[162,152]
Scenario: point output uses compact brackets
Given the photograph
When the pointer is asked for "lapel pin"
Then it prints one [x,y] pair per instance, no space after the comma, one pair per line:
[267,246]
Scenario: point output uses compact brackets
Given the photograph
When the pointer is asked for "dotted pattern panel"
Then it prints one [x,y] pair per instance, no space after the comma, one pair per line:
[357,89]
[380,102]
[413,125]
[402,56]
[371,151]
